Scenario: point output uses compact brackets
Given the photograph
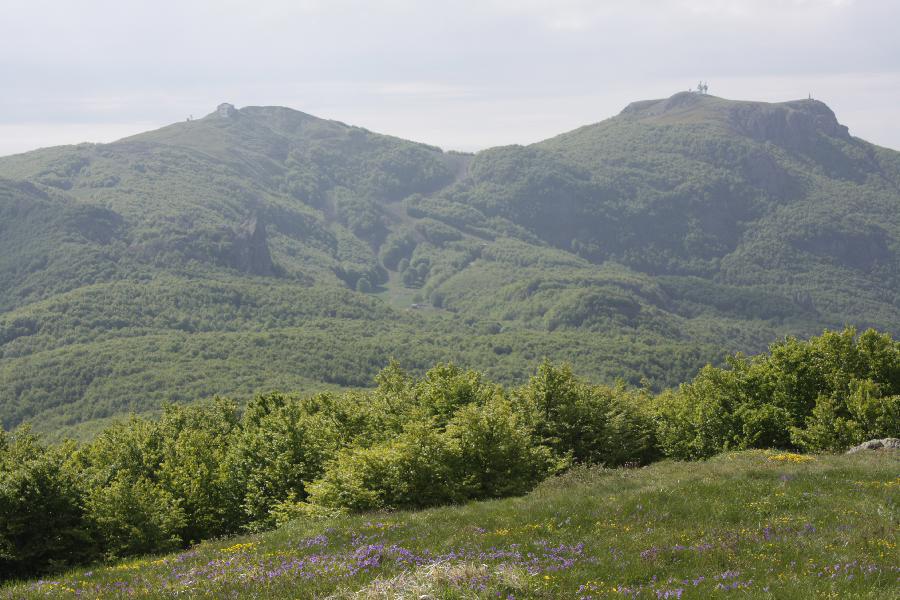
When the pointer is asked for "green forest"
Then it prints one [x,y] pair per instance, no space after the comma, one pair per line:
[269,325]
[263,248]
[210,469]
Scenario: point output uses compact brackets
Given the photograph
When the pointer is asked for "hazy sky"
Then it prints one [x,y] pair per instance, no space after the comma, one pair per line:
[462,74]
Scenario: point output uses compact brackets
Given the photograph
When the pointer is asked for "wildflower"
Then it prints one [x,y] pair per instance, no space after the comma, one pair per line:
[791,457]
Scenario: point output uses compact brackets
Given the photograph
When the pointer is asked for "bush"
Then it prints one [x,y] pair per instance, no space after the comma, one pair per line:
[698,419]
[592,424]
[827,393]
[42,524]
[485,451]
[413,470]
[397,246]
[136,516]
[446,389]
[495,452]
[195,467]
[281,447]
[843,420]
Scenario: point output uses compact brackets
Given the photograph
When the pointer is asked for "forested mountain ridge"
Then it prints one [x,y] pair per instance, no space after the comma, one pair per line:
[241,252]
[739,193]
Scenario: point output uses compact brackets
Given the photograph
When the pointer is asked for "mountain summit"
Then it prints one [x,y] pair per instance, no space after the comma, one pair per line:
[263,247]
[782,122]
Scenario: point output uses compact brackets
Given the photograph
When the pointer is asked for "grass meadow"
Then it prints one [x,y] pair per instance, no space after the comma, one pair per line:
[756,524]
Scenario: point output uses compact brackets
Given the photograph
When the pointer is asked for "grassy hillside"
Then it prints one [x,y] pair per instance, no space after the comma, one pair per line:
[265,248]
[758,524]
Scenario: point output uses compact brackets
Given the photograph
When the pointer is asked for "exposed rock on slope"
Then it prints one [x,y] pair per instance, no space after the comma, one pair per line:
[788,123]
[885,444]
[251,249]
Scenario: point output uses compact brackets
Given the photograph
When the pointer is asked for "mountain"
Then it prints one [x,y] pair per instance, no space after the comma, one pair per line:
[262,248]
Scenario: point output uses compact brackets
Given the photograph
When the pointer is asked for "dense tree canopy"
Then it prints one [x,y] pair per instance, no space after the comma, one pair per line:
[264,248]
[209,469]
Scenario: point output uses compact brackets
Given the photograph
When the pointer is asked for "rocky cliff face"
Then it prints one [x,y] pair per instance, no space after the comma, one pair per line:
[251,248]
[226,110]
[244,248]
[788,124]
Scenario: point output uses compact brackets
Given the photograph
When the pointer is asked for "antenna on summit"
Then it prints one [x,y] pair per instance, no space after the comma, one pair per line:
[702,88]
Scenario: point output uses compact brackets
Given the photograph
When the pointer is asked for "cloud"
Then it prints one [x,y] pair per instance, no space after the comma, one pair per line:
[514,69]
[582,15]
[16,138]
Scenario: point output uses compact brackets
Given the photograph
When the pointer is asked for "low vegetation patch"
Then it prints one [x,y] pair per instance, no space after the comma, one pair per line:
[738,525]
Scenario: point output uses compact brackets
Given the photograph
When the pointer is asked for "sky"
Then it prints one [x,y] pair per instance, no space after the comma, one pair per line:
[460,74]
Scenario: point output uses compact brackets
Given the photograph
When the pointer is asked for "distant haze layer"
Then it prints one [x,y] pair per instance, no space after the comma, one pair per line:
[464,75]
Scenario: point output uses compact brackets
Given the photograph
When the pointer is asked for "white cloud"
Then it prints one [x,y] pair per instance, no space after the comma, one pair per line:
[29,136]
[437,71]
[585,14]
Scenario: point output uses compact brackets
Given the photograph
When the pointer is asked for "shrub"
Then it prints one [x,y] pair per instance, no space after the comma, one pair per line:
[397,246]
[447,388]
[592,424]
[281,447]
[413,470]
[843,420]
[823,394]
[495,452]
[42,524]
[135,516]
[195,467]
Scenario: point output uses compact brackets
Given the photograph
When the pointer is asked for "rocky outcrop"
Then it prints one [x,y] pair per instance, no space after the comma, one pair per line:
[863,249]
[638,107]
[788,124]
[648,108]
[885,444]
[765,173]
[94,223]
[226,110]
[251,248]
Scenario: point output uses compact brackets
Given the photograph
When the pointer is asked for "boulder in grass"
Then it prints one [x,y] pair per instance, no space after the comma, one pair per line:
[885,444]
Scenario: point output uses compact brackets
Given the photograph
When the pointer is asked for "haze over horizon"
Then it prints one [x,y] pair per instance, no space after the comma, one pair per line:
[462,77]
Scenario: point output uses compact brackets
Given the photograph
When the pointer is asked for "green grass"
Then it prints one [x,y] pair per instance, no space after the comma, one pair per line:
[396,295]
[800,527]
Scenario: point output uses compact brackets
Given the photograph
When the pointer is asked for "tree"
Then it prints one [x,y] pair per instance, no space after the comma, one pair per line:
[281,447]
[42,517]
[195,467]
